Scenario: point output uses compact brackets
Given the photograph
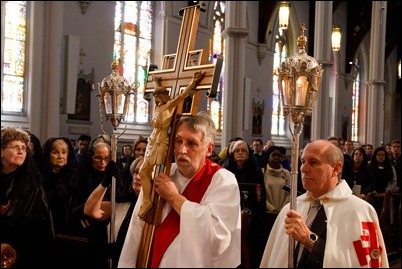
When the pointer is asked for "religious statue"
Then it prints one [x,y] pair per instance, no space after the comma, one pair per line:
[158,141]
[258,111]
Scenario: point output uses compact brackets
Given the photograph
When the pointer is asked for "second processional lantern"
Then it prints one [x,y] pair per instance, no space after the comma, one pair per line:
[299,79]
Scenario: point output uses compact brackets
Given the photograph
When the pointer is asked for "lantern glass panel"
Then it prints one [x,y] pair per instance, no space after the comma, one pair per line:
[108,103]
[301,91]
[285,88]
[121,100]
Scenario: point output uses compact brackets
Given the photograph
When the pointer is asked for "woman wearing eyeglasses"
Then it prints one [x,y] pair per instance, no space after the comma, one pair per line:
[96,207]
[25,215]
[98,169]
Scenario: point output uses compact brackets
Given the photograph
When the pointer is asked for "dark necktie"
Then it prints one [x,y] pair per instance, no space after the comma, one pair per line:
[314,207]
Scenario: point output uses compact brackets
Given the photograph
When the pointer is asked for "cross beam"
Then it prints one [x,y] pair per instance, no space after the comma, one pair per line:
[178,69]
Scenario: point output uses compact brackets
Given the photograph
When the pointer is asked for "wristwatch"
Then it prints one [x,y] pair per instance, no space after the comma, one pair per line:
[311,239]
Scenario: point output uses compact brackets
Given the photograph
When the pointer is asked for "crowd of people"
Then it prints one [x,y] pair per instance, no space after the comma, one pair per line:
[51,191]
[46,196]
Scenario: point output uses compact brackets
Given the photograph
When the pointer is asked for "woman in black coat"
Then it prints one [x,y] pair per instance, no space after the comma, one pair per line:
[241,162]
[26,222]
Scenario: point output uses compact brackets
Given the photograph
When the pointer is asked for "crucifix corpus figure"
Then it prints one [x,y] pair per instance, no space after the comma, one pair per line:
[158,141]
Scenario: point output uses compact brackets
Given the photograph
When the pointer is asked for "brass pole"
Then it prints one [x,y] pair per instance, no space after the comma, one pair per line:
[297,129]
[113,198]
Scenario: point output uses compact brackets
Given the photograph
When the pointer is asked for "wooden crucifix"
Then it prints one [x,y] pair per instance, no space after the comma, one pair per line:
[178,69]
[181,73]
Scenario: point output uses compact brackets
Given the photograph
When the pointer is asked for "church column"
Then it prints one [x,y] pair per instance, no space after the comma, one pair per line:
[323,120]
[375,84]
[53,85]
[45,69]
[235,33]
[36,75]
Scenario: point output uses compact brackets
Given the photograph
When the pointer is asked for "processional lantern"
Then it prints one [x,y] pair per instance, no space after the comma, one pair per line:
[299,79]
[114,96]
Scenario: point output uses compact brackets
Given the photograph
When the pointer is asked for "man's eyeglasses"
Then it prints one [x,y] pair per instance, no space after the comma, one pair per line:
[17,148]
[100,158]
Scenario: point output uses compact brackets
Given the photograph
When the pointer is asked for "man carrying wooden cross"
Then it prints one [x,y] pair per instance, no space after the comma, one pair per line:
[197,215]
[201,222]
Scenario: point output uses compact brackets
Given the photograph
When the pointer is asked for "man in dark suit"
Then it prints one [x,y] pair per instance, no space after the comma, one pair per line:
[260,156]
[347,173]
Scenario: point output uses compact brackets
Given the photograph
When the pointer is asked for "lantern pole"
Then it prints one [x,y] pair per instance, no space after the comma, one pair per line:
[114,97]
[299,78]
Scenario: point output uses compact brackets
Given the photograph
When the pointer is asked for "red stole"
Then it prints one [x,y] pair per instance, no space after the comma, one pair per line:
[170,226]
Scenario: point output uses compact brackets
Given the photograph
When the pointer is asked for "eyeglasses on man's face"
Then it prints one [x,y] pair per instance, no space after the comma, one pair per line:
[17,148]
[100,158]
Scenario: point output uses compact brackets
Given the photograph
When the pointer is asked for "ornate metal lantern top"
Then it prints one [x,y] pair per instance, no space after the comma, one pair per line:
[299,79]
[114,96]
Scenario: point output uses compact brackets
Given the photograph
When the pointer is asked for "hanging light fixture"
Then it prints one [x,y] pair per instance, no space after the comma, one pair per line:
[284,9]
[114,96]
[336,38]
[299,78]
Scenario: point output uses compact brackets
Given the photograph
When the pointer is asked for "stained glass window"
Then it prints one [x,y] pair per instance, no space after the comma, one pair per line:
[278,118]
[132,47]
[217,47]
[355,101]
[14,52]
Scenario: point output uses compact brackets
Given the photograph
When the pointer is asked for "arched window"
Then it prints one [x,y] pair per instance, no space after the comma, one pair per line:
[13,43]
[132,47]
[355,101]
[278,118]
[215,106]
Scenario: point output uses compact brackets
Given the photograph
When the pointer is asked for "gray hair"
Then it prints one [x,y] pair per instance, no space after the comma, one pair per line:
[202,122]
[134,164]
[334,154]
[235,144]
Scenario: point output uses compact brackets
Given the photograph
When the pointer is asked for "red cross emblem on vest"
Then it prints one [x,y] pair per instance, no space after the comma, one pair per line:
[367,248]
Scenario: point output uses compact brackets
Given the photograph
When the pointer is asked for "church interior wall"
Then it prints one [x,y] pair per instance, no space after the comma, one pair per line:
[95,29]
